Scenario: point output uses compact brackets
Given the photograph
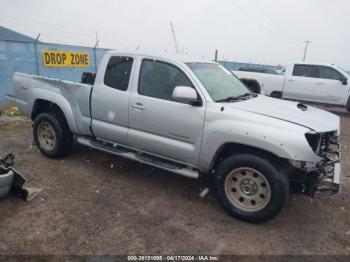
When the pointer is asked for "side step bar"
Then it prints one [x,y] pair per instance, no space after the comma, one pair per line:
[140,157]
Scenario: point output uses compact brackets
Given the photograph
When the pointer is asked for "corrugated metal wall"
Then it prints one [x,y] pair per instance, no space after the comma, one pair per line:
[20,57]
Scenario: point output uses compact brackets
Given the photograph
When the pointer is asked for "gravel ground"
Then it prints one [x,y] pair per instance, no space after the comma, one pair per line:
[96,203]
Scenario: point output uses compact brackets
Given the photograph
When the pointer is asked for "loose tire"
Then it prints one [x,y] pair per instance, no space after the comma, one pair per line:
[5,183]
[250,188]
[52,135]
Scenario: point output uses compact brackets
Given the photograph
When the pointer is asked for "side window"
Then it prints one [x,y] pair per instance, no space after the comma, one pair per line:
[306,71]
[118,71]
[329,73]
[158,79]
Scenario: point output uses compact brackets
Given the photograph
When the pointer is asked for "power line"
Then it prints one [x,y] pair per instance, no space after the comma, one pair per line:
[53,26]
[262,11]
[243,11]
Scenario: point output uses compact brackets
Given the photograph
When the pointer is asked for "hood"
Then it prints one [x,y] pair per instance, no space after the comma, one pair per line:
[293,112]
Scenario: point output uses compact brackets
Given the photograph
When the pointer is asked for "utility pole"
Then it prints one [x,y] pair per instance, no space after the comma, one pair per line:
[177,50]
[307,42]
[216,55]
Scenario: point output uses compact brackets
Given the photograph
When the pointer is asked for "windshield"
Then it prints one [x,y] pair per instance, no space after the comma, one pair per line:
[344,71]
[218,81]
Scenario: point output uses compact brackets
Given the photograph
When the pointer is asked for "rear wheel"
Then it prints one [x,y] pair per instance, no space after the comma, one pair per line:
[348,105]
[250,188]
[276,94]
[52,135]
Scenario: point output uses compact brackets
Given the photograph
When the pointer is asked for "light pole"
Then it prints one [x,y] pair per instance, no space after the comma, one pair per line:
[307,42]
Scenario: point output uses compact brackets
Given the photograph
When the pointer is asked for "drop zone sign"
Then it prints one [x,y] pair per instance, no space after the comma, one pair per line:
[53,58]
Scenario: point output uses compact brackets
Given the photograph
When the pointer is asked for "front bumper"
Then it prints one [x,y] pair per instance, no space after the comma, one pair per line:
[329,171]
[329,182]
[324,178]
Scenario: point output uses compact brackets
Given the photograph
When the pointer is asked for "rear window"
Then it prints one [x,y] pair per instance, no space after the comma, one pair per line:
[118,72]
[306,71]
[329,73]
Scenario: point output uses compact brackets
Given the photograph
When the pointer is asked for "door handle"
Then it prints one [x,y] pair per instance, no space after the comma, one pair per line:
[320,83]
[138,106]
[291,80]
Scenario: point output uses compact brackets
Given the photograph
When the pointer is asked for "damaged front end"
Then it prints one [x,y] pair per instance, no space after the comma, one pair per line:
[322,178]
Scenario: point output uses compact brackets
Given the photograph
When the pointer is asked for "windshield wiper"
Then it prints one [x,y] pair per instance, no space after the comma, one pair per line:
[228,99]
[236,98]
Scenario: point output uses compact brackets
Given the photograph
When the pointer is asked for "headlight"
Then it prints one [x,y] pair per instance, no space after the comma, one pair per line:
[314,140]
[304,166]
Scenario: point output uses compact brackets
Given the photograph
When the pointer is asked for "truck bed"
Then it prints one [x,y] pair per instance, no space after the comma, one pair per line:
[268,82]
[31,88]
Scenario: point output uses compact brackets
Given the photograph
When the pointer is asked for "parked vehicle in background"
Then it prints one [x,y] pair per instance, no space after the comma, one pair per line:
[309,82]
[259,70]
[281,71]
[193,118]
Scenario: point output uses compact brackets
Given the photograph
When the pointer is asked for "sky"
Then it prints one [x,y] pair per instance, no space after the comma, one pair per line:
[257,31]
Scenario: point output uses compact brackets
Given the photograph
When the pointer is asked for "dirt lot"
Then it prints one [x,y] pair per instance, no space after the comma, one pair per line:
[95,203]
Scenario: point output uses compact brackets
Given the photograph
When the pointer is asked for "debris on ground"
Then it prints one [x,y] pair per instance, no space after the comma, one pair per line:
[12,181]
[204,192]
[13,111]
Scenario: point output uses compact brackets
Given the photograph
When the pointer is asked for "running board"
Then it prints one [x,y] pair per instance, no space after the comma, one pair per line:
[141,157]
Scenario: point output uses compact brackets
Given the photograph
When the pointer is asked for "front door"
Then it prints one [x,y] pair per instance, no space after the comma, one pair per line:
[329,88]
[159,125]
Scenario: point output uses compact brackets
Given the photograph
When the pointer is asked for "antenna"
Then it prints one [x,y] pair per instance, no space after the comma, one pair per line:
[177,50]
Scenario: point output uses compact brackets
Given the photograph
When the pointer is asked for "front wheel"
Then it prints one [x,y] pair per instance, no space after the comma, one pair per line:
[347,106]
[250,188]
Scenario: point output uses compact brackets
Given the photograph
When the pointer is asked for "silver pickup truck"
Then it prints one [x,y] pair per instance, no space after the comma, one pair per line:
[193,118]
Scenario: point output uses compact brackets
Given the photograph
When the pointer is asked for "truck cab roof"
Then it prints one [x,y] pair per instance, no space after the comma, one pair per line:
[313,63]
[168,56]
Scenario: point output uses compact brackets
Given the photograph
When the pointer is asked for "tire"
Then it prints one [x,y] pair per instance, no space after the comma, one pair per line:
[5,183]
[59,139]
[276,94]
[250,188]
[348,105]
[252,85]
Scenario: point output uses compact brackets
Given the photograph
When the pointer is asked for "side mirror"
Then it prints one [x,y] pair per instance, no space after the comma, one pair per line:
[186,94]
[344,80]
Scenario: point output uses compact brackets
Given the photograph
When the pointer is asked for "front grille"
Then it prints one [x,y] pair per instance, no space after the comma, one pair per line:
[329,146]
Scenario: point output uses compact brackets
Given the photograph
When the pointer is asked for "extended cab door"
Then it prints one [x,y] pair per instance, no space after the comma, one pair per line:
[159,125]
[300,82]
[110,99]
